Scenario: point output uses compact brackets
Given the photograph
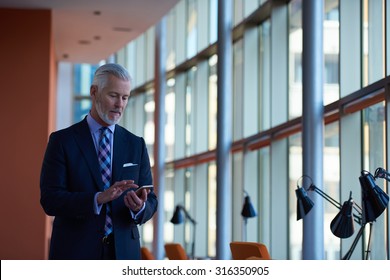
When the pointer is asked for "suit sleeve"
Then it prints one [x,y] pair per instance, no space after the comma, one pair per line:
[61,194]
[145,178]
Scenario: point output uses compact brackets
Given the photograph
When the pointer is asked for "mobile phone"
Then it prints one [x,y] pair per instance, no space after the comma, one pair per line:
[146,187]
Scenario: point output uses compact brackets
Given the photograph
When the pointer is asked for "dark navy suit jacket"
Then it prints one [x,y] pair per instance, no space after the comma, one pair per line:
[70,178]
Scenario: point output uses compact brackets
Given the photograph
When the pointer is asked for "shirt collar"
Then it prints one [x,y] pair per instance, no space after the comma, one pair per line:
[94,126]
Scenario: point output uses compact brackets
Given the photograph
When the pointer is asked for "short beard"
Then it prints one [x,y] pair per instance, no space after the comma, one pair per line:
[104,116]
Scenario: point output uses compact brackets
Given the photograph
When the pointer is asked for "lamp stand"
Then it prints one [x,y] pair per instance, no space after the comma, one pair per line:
[178,219]
[348,255]
[368,251]
[245,228]
[193,242]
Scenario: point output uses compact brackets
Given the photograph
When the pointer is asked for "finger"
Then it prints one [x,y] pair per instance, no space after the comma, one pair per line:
[131,202]
[117,192]
[126,201]
[135,202]
[126,184]
[132,194]
[144,195]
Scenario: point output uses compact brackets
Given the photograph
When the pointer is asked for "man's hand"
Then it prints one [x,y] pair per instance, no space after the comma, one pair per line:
[115,191]
[136,201]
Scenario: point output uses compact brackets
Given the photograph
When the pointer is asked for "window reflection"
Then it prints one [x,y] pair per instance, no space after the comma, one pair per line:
[295,172]
[331,55]
[374,151]
[170,120]
[212,119]
[332,188]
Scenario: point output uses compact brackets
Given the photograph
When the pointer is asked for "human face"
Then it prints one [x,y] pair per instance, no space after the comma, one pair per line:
[110,101]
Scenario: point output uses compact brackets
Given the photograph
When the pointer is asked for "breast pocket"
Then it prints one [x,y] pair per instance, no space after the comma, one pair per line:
[130,173]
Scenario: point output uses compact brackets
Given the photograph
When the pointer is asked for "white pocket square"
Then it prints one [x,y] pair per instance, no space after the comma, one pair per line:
[129,164]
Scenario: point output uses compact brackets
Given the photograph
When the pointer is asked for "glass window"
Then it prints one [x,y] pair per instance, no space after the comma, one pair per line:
[169,204]
[238,90]
[331,55]
[374,151]
[331,51]
[264,193]
[189,112]
[295,59]
[265,76]
[295,172]
[81,109]
[238,11]
[373,41]
[82,80]
[332,188]
[171,40]
[192,28]
[170,120]
[212,210]
[188,197]
[149,109]
[213,96]
[213,19]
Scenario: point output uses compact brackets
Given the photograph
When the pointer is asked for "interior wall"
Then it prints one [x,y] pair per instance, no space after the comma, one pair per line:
[27,76]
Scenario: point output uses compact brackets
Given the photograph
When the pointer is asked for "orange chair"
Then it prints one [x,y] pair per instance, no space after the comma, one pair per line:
[249,250]
[146,254]
[174,251]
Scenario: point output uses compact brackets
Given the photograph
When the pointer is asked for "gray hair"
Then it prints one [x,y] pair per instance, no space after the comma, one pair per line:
[110,69]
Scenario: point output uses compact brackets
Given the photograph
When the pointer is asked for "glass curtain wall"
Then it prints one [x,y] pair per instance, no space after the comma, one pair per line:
[82,79]
[264,73]
[331,55]
[373,40]
[374,151]
[295,173]
[267,149]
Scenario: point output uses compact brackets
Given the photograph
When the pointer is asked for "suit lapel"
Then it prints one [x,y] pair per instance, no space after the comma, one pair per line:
[84,140]
[119,153]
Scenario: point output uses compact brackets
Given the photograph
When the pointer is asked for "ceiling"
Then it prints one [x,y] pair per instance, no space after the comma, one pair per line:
[88,31]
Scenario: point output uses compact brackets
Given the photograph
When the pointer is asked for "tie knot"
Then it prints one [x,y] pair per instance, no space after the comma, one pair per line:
[104,130]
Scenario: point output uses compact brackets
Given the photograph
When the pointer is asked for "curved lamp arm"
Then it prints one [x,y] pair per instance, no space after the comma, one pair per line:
[186,214]
[358,209]
[382,173]
[335,203]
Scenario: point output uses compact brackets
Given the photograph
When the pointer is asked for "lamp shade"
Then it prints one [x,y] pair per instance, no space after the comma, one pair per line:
[247,210]
[342,225]
[374,199]
[304,203]
[177,216]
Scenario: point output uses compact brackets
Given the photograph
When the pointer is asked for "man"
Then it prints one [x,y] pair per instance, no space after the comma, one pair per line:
[89,173]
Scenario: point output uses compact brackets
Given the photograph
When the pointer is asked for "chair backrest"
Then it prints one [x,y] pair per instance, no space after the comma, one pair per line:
[244,250]
[174,251]
[146,254]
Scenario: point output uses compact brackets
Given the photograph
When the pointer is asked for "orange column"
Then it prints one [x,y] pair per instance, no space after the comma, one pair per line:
[27,83]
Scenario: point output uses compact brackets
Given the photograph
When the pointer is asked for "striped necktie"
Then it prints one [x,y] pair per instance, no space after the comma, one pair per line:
[104,156]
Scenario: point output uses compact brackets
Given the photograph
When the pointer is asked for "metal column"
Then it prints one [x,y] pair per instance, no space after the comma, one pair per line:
[313,124]
[159,132]
[224,130]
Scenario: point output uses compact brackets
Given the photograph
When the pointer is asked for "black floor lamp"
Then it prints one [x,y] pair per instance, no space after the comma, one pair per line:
[374,202]
[178,219]
[247,211]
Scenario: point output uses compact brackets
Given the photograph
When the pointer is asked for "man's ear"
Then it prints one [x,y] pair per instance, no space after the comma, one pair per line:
[93,90]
